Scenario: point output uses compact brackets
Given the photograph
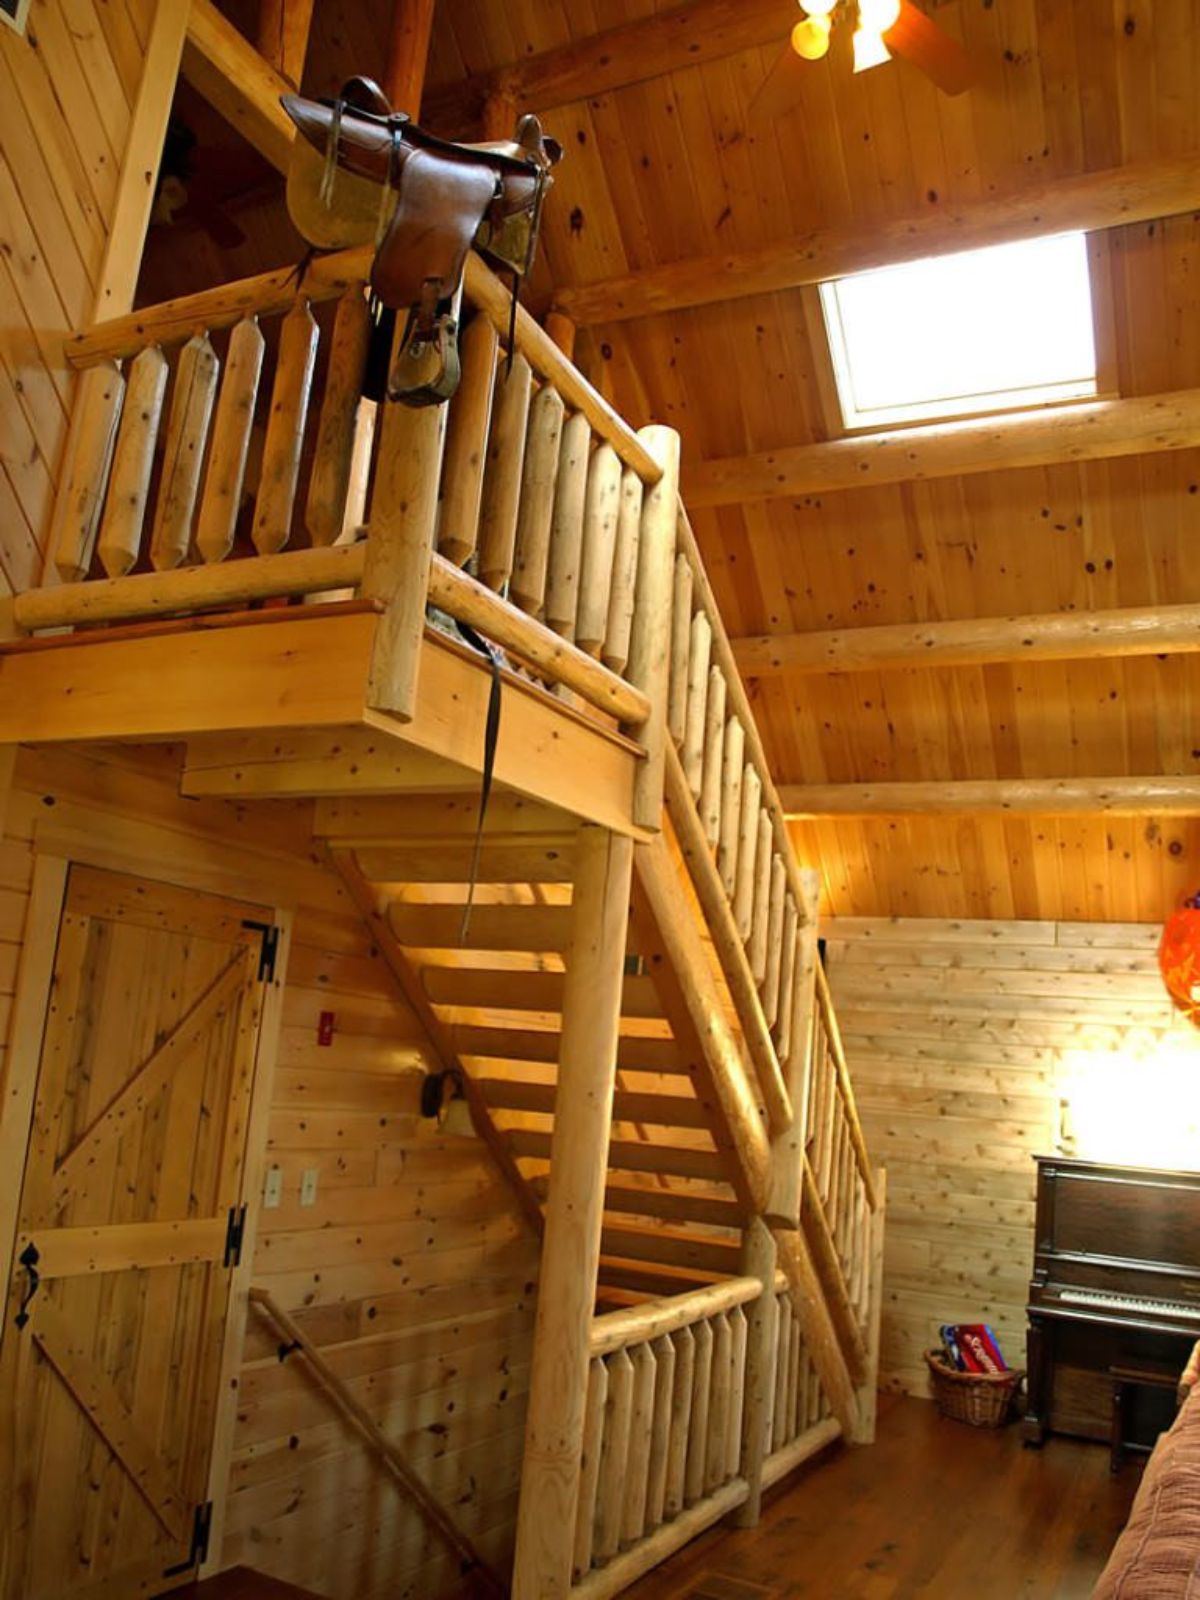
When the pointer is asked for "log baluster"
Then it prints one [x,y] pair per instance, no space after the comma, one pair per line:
[637,1472]
[664,1394]
[467,429]
[339,420]
[196,375]
[542,447]
[733,763]
[775,916]
[739,1328]
[566,526]
[589,1475]
[84,477]
[221,499]
[699,652]
[284,443]
[782,1359]
[614,1457]
[120,539]
[602,505]
[743,894]
[623,599]
[756,947]
[681,1422]
[720,1401]
[681,644]
[697,1454]
[502,474]
[712,764]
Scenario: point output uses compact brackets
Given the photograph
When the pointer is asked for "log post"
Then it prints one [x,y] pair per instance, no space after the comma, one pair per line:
[400,548]
[868,1393]
[408,54]
[591,1010]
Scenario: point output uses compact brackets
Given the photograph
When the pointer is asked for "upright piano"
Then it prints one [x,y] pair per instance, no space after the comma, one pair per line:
[1116,1283]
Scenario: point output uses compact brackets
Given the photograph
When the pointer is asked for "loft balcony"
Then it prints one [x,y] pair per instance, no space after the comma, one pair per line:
[282,589]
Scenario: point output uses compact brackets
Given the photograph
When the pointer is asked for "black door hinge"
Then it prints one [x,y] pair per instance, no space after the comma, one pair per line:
[268,951]
[198,1549]
[235,1230]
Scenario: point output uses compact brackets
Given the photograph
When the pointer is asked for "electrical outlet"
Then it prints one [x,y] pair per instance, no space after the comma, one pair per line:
[273,1188]
[308,1186]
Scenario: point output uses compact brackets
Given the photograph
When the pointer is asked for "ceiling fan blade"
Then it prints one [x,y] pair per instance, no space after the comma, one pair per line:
[780,89]
[942,59]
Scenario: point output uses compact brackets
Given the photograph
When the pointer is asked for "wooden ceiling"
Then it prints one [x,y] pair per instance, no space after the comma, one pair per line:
[674,168]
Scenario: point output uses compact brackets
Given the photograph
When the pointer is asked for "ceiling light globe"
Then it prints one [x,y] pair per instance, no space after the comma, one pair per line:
[869,50]
[877,16]
[810,38]
[818,8]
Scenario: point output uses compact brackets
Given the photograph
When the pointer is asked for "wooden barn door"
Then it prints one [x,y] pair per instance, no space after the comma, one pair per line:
[128,1235]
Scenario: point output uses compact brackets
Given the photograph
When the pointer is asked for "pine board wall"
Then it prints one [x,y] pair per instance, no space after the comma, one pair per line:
[962,1039]
[412,1271]
[67,89]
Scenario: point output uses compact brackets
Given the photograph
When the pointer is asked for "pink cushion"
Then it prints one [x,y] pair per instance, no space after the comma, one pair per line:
[1157,1556]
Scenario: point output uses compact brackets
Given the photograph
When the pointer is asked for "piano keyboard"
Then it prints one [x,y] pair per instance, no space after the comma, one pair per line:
[1129,1302]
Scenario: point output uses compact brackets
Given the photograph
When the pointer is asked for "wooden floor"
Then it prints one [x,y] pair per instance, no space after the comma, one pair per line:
[934,1508]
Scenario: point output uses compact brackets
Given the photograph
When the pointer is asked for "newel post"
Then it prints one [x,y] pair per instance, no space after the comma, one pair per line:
[650,638]
[591,1012]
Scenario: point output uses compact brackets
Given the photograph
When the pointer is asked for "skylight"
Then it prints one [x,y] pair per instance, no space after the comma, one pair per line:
[986,330]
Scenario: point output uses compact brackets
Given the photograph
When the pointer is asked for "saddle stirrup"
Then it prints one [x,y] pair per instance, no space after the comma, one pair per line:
[427,369]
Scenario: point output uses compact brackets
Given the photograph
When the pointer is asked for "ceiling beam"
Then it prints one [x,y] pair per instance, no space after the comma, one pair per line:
[1087,201]
[1062,797]
[618,58]
[974,642]
[1094,431]
[228,71]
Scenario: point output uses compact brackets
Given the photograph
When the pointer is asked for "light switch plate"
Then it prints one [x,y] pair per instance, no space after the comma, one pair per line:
[273,1188]
[308,1186]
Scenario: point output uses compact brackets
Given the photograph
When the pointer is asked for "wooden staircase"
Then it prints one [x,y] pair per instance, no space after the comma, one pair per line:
[672,1218]
[634,1011]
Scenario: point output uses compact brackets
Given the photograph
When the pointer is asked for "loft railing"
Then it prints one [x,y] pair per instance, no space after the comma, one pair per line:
[527,508]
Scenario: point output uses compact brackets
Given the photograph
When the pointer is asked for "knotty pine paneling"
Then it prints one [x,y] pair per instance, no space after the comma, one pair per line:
[66,93]
[963,1038]
[413,1270]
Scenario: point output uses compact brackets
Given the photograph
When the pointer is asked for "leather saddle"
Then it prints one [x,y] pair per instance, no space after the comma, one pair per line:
[363,173]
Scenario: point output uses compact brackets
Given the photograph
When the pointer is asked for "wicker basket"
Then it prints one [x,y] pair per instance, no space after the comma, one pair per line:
[982,1399]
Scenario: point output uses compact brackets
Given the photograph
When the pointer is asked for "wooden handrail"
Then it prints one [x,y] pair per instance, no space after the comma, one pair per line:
[845,1088]
[360,1418]
[618,1330]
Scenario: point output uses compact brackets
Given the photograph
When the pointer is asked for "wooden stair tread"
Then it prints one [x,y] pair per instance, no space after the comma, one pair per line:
[630,1155]
[500,989]
[661,1110]
[634,1054]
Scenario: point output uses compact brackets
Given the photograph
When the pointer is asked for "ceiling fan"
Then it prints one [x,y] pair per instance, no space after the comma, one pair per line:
[881,29]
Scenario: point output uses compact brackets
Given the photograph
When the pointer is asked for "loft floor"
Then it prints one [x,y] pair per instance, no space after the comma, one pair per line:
[274,703]
[933,1509]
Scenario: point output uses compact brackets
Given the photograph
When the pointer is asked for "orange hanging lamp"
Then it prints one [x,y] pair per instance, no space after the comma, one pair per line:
[1179,958]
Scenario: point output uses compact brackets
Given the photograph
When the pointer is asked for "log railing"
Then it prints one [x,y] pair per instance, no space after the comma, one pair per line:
[201,473]
[663,1437]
